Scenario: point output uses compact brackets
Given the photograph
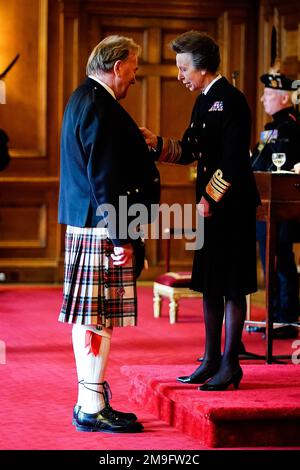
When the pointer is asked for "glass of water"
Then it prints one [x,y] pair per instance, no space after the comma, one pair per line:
[278,159]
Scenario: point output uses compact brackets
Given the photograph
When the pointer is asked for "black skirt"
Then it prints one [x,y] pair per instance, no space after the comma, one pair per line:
[226,264]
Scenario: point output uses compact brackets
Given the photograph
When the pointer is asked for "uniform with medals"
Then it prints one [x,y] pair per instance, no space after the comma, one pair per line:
[282,134]
[218,138]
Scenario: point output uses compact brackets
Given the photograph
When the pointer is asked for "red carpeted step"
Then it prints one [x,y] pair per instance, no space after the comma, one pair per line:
[265,411]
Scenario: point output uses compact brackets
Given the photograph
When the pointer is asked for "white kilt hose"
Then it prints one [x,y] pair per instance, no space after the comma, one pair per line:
[95,291]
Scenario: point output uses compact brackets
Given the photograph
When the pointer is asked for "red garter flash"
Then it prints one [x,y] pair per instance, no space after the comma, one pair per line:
[92,342]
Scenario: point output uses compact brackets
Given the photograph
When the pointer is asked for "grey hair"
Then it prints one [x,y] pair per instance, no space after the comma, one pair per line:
[108,51]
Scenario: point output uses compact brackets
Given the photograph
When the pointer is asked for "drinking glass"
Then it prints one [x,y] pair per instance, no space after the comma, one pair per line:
[278,159]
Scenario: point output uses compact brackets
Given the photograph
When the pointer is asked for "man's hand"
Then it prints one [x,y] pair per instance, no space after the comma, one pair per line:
[203,208]
[150,138]
[297,168]
[122,254]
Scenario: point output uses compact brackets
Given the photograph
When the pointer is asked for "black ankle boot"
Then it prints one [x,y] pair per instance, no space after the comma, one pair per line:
[201,374]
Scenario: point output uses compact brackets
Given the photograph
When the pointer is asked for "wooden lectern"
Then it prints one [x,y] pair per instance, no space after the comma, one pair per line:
[280,200]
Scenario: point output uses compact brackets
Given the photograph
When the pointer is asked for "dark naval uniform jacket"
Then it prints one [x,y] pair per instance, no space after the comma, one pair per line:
[280,135]
[103,157]
[218,138]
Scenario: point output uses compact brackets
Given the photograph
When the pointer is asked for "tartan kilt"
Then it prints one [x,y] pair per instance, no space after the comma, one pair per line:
[95,291]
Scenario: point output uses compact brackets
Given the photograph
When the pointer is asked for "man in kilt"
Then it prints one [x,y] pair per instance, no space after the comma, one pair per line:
[103,158]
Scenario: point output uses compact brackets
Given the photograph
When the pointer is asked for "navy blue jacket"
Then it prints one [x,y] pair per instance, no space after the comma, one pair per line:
[103,156]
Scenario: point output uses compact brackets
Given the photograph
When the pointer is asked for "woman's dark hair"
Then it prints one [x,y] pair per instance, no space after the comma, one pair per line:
[205,51]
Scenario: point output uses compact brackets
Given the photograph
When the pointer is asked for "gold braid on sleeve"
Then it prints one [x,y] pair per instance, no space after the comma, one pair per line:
[171,151]
[217,186]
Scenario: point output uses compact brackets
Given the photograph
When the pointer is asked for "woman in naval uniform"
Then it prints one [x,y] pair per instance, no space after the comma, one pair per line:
[218,138]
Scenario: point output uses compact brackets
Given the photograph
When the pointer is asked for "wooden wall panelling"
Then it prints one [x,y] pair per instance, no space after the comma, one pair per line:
[55,86]
[69,46]
[24,30]
[70,74]
[29,247]
[33,234]
[237,33]
[56,98]
[28,228]
[286,18]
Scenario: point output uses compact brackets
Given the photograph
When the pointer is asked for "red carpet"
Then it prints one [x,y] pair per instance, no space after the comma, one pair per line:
[264,411]
[38,381]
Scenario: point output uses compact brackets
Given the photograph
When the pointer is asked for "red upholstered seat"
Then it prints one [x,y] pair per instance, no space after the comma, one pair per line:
[172,279]
[173,285]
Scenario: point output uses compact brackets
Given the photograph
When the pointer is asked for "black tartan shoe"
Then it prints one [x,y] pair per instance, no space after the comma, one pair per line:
[120,414]
[105,421]
[76,410]
[107,396]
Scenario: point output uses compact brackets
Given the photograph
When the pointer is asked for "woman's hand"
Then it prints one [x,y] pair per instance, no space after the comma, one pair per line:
[122,254]
[150,138]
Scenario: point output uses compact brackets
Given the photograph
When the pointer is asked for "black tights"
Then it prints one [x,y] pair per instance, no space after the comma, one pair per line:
[235,313]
